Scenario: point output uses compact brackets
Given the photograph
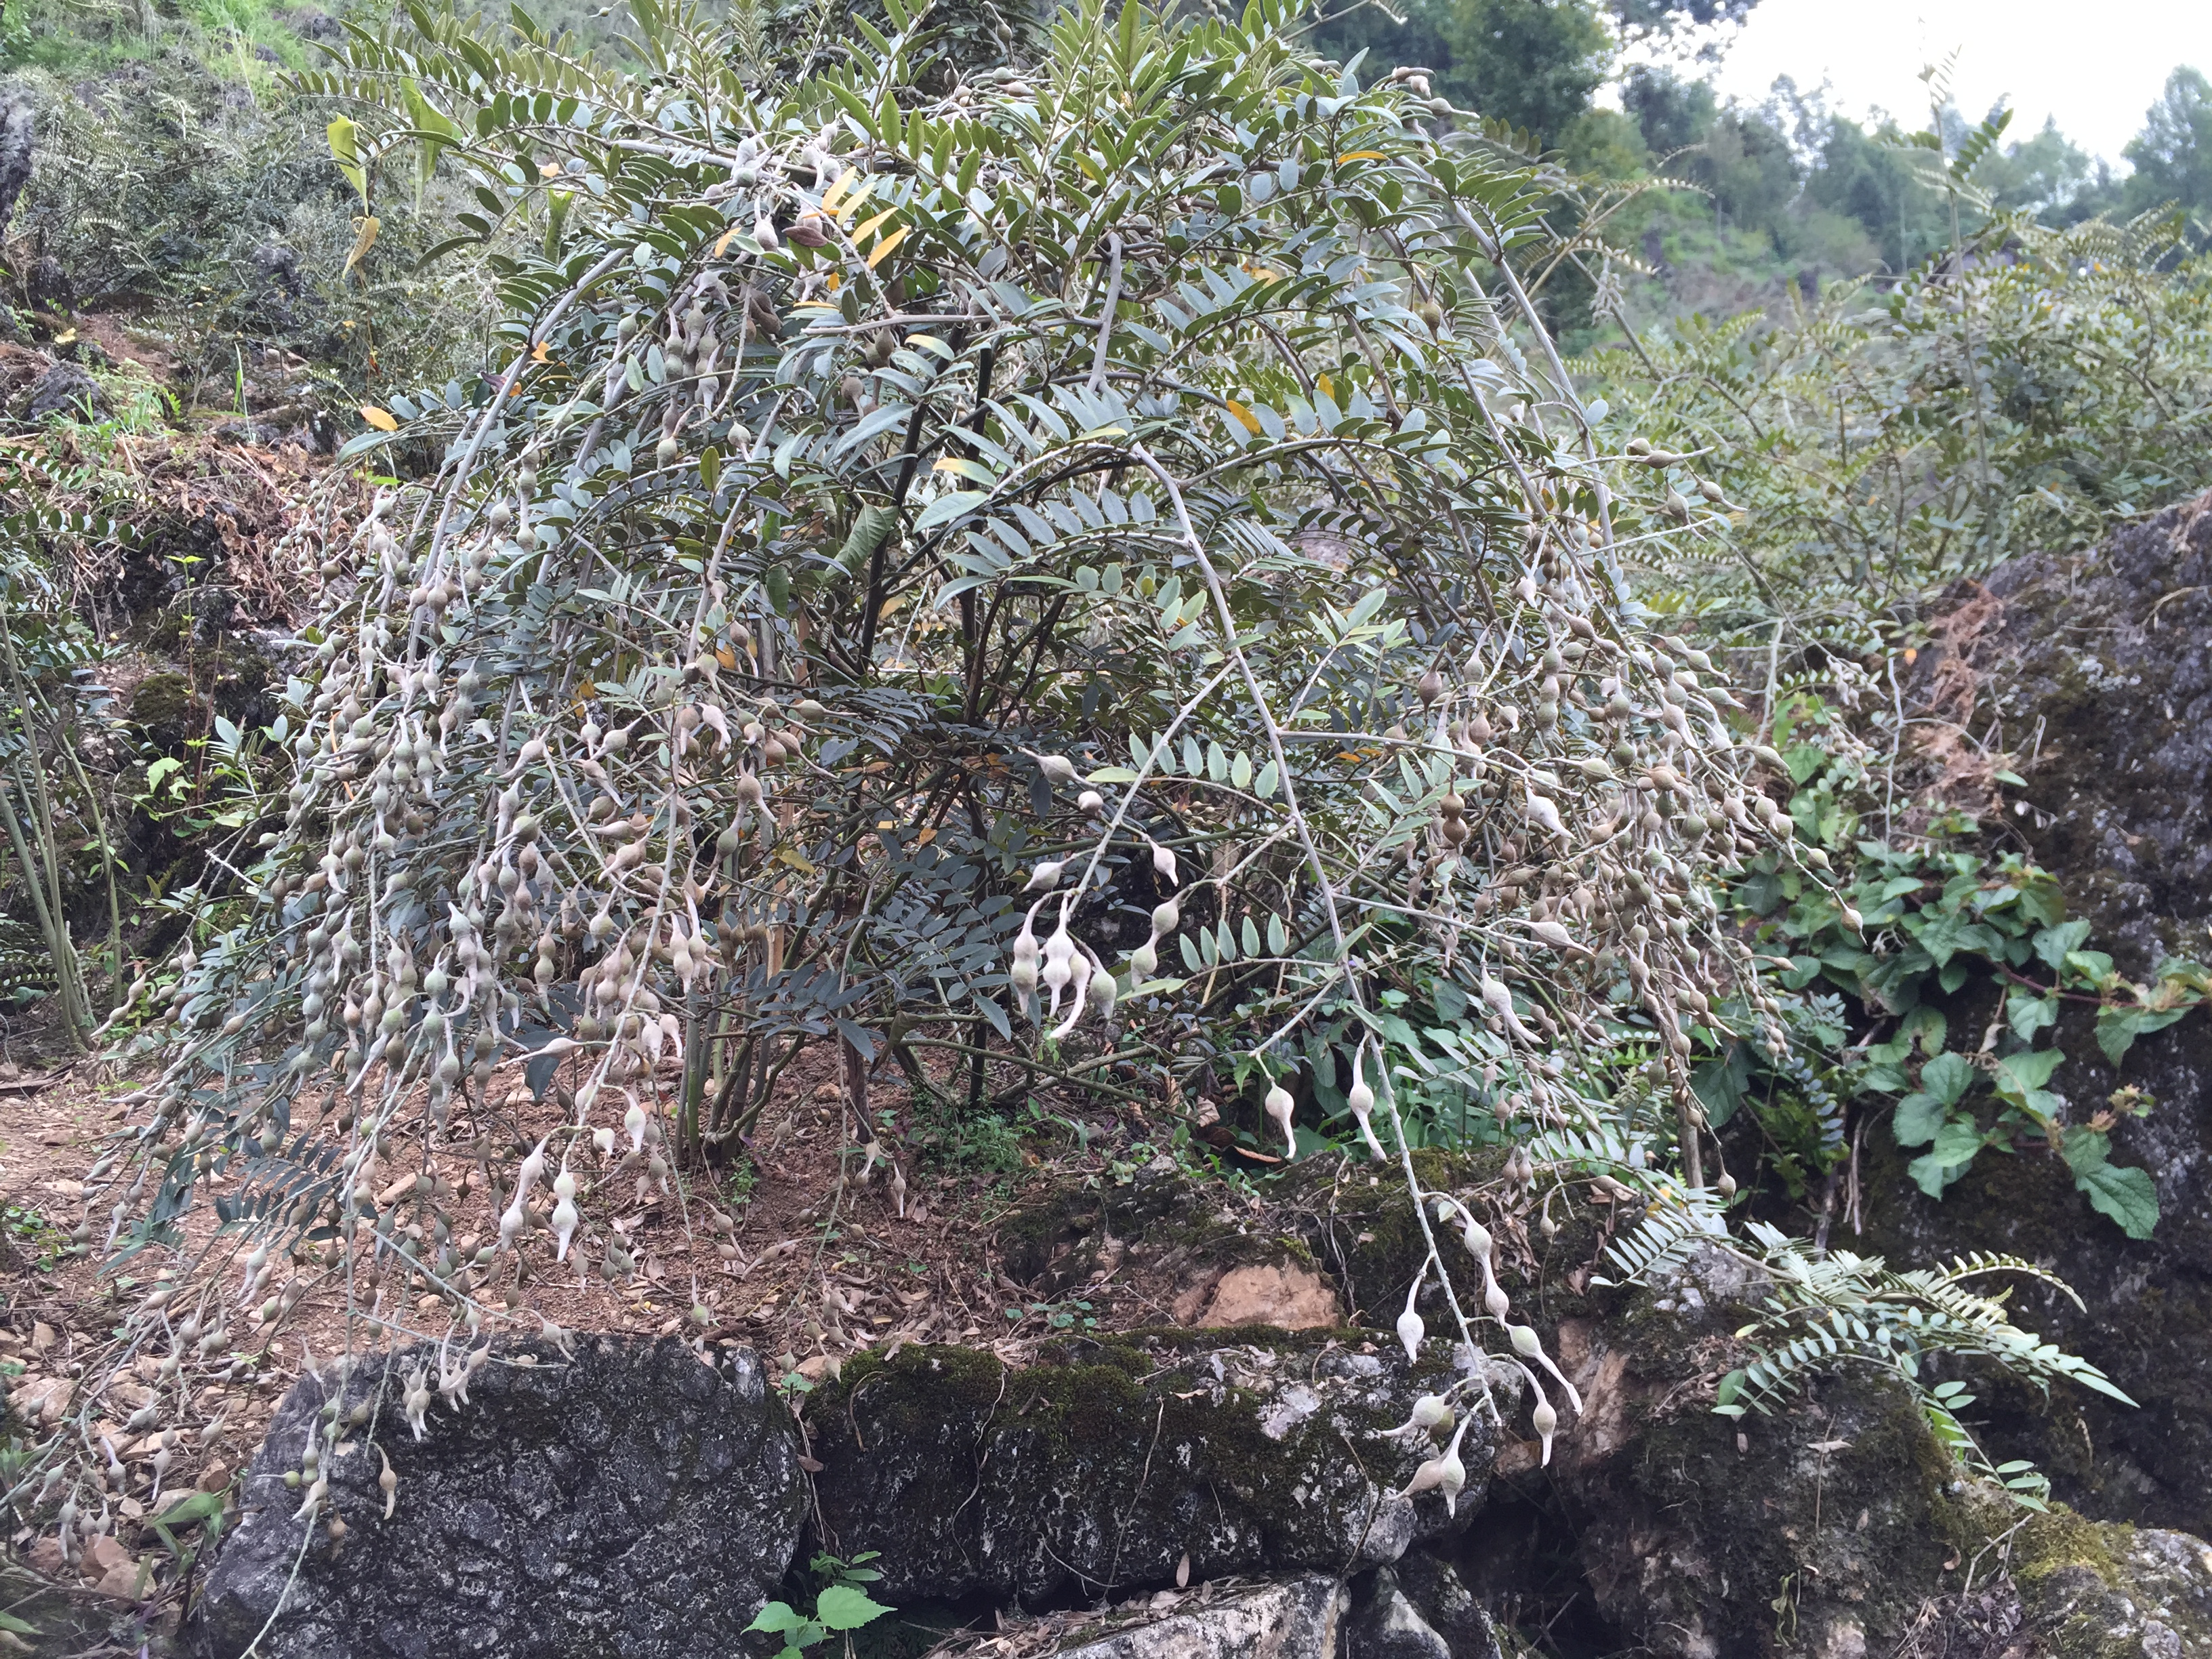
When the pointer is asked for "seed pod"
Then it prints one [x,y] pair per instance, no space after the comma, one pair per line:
[565,1216]
[1057,769]
[1431,688]
[1452,1477]
[1144,961]
[1165,915]
[1046,875]
[764,234]
[1361,1099]
[1090,801]
[1431,1411]
[1410,1327]
[1279,1106]
[1547,1422]
[1100,993]
[1164,865]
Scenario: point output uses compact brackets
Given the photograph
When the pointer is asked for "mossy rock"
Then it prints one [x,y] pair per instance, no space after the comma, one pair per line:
[2094,1589]
[1072,1482]
[164,709]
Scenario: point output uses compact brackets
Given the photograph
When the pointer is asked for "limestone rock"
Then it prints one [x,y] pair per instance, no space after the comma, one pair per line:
[1295,1619]
[1283,1294]
[1077,1480]
[2097,666]
[2091,1591]
[1446,1605]
[1385,1624]
[628,1499]
[65,389]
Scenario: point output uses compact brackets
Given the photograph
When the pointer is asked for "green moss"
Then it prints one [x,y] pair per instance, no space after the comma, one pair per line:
[162,701]
[1058,1477]
[2048,1544]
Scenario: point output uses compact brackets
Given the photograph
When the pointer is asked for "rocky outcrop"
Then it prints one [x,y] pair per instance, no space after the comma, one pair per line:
[1833,1520]
[65,389]
[1140,1461]
[2090,1591]
[2099,666]
[627,1496]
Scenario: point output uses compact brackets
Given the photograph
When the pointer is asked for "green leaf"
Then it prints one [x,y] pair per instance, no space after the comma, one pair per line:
[841,1607]
[1919,1115]
[2119,1028]
[1943,1082]
[2024,1074]
[2052,943]
[953,504]
[1956,1144]
[2128,1196]
[776,1618]
[2029,1013]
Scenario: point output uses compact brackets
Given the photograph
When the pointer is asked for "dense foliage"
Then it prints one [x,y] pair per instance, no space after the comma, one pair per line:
[1879,444]
[1086,569]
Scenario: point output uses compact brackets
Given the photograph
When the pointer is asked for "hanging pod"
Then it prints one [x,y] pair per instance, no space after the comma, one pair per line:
[1279,1107]
[1411,1330]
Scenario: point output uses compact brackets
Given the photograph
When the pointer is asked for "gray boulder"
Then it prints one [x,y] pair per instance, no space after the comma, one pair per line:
[65,389]
[1297,1619]
[1073,1480]
[1386,1624]
[626,1499]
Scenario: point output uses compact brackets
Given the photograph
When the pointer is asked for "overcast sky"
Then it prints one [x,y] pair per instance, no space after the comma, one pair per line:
[2095,66]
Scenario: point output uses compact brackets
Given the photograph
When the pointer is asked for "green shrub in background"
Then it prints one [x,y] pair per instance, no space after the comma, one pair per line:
[179,178]
[1880,445]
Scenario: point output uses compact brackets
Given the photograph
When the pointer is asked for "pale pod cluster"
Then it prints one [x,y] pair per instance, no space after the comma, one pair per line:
[1064,970]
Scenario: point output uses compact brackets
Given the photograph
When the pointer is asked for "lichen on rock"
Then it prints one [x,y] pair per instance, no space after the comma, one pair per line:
[625,1496]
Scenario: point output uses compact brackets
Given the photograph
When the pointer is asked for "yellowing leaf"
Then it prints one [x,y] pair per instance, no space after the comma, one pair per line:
[872,226]
[727,657]
[1327,387]
[1361,155]
[366,240]
[723,241]
[1244,415]
[836,193]
[345,150]
[884,246]
[797,859]
[538,354]
[381,419]
[853,203]
[549,169]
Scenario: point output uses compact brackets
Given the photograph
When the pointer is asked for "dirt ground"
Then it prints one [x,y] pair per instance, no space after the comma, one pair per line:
[812,1270]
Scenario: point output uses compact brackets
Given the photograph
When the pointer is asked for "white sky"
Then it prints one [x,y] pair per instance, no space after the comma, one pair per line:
[2096,67]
